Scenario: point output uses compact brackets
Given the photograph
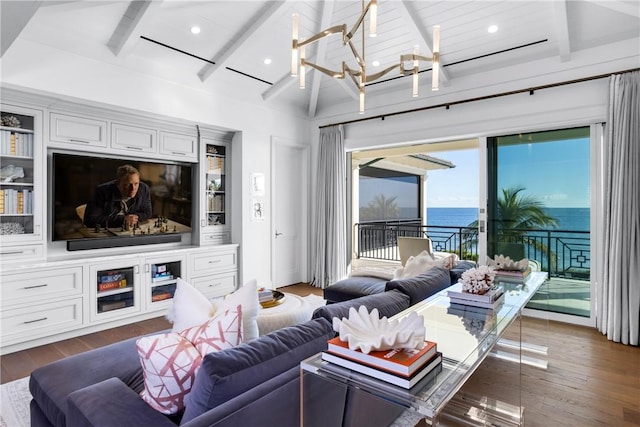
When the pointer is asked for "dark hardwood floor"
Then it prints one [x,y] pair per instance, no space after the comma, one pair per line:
[590,381]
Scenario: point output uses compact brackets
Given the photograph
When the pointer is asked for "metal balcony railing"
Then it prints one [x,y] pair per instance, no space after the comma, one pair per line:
[562,253]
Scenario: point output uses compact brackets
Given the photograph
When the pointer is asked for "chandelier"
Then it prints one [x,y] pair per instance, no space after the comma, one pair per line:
[408,65]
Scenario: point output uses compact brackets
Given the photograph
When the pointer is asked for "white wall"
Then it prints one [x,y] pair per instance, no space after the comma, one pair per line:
[40,69]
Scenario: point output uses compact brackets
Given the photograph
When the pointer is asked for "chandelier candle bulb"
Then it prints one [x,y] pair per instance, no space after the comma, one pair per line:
[416,64]
[373,20]
[435,70]
[294,49]
[302,68]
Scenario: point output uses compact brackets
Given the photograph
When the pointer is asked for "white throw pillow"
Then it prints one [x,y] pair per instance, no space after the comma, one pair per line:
[247,297]
[190,307]
[170,361]
[421,264]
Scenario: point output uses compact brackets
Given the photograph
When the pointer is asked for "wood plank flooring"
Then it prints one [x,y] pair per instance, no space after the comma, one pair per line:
[590,381]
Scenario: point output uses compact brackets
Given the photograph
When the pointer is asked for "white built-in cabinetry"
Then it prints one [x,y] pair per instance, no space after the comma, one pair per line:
[22,201]
[49,294]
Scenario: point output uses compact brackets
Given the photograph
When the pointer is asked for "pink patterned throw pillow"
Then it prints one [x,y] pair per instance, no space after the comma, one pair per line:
[170,361]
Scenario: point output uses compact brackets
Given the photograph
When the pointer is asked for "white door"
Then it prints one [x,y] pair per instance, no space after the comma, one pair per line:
[289,221]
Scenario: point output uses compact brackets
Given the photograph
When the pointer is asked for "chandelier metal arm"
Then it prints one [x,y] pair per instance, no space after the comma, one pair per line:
[342,29]
[359,76]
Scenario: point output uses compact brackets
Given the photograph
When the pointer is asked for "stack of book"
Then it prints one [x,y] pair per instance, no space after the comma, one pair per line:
[491,299]
[512,276]
[264,295]
[402,367]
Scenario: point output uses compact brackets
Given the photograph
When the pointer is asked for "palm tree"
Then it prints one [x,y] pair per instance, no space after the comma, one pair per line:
[516,215]
[380,208]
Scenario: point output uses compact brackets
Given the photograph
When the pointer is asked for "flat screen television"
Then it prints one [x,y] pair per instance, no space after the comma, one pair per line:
[76,178]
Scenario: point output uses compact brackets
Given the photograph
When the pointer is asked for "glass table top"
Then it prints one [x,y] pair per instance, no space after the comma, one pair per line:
[464,335]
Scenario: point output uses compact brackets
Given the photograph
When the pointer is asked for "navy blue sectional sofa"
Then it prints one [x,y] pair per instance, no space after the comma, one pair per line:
[255,383]
[424,285]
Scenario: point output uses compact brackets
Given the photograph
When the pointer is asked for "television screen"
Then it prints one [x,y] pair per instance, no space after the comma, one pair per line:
[92,206]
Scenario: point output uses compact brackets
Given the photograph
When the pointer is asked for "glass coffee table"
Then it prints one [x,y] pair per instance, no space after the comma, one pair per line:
[335,396]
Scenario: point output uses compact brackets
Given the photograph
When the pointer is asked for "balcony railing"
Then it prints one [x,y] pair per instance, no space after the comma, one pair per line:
[562,253]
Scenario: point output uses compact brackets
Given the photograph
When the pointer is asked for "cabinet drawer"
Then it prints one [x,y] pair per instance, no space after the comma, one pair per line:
[173,144]
[41,320]
[207,262]
[41,285]
[132,138]
[78,130]
[20,253]
[215,286]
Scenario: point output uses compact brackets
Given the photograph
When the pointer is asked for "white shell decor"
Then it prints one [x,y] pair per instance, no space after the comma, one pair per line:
[501,262]
[366,332]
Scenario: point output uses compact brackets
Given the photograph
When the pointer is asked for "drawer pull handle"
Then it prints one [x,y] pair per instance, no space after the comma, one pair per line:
[36,286]
[214,285]
[177,153]
[34,321]
[215,261]
[12,252]
[79,140]
[134,148]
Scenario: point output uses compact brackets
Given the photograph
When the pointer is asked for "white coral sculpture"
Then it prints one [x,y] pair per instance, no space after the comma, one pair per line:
[366,332]
[502,262]
[477,280]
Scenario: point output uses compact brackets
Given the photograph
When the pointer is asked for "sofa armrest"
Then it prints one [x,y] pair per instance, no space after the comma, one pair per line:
[111,403]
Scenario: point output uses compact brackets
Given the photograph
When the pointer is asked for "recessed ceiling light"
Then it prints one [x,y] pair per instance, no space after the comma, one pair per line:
[267,61]
[493,29]
[195,30]
[376,63]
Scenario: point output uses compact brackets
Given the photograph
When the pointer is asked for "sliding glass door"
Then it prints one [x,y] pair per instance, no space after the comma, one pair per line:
[539,208]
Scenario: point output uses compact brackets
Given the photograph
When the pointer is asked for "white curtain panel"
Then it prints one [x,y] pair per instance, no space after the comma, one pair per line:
[618,293]
[331,221]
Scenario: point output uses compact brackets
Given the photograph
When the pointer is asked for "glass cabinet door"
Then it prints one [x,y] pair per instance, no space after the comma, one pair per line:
[215,206]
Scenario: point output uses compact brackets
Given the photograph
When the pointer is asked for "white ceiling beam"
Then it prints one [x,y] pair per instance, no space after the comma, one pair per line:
[327,14]
[628,8]
[14,16]
[257,21]
[410,14]
[124,36]
[562,29]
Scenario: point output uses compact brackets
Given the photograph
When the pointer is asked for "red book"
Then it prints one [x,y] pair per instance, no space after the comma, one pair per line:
[398,361]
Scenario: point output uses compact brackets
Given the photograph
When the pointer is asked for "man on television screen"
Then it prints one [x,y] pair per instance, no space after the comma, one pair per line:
[123,202]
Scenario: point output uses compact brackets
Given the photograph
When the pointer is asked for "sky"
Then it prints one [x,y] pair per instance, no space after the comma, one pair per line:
[555,173]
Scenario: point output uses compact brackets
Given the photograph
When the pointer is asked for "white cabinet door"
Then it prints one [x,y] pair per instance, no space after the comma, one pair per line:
[133,138]
[179,146]
[79,131]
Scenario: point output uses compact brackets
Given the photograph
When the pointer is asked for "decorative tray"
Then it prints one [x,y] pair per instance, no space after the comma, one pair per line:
[277,298]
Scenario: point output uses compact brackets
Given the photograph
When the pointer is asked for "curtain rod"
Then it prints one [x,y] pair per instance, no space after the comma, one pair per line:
[480,98]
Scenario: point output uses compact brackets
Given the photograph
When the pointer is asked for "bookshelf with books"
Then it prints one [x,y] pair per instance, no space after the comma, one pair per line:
[21,172]
[114,289]
[161,278]
[216,191]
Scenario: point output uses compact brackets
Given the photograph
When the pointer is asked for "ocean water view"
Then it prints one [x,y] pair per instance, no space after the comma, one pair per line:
[571,219]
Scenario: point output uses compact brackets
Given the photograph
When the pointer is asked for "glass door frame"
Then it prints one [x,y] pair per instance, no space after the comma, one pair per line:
[596,146]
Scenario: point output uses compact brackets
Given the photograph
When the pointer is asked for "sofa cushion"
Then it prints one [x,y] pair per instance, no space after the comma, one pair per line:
[170,361]
[51,384]
[354,287]
[423,286]
[387,303]
[456,272]
[247,296]
[227,374]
